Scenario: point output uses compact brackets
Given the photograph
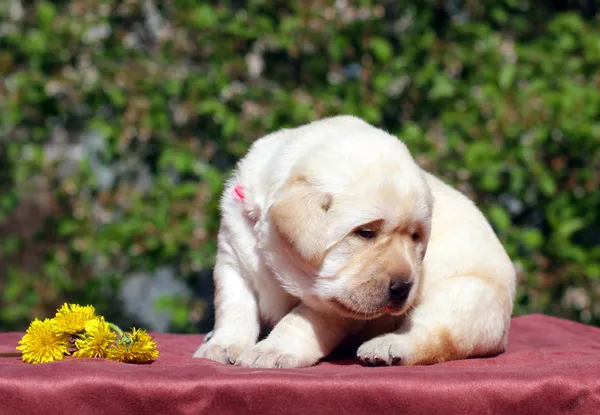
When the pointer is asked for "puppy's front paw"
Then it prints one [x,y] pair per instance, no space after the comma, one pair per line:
[223,352]
[386,350]
[266,356]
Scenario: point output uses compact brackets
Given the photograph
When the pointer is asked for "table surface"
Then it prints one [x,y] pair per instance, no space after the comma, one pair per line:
[550,366]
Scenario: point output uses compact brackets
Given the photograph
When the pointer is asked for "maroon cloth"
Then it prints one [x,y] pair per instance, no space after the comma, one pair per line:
[551,366]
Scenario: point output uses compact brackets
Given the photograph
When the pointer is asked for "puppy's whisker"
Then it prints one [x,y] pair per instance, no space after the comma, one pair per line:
[355,311]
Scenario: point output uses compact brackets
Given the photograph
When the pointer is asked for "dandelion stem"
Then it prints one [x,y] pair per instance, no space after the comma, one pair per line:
[116,328]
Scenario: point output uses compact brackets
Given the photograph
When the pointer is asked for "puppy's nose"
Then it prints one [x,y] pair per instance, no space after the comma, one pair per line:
[399,290]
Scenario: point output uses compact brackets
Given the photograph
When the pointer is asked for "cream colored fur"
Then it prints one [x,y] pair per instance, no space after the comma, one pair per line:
[334,213]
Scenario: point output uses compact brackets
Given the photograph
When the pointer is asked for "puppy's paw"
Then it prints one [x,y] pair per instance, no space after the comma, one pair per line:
[266,356]
[223,352]
[387,350]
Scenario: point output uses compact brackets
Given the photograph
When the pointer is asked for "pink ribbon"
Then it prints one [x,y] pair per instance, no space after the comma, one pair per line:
[238,192]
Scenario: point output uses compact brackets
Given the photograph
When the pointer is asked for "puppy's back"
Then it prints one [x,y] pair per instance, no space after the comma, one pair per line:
[463,242]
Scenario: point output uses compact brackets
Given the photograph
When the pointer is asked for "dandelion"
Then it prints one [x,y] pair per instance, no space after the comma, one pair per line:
[43,343]
[134,347]
[97,339]
[78,328]
[71,318]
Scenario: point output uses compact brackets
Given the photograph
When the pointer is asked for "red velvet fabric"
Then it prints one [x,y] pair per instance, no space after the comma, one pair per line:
[551,366]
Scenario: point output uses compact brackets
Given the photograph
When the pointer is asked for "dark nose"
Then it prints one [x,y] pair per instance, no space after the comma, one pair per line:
[399,290]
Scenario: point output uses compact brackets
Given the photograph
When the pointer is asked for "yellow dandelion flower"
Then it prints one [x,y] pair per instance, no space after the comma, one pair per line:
[71,318]
[98,338]
[134,347]
[43,342]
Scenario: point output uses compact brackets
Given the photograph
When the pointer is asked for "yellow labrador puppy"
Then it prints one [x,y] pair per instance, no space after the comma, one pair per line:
[332,231]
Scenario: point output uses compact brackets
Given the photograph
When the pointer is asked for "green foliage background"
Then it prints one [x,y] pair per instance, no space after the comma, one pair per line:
[501,98]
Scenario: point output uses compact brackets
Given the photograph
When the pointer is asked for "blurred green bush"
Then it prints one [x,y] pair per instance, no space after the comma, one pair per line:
[119,121]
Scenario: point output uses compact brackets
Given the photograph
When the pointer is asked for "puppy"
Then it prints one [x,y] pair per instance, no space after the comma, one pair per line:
[331,231]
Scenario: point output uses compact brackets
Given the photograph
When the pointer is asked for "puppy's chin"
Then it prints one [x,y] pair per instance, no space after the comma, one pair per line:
[367,312]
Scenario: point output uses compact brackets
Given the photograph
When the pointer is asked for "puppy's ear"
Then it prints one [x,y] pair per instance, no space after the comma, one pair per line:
[299,215]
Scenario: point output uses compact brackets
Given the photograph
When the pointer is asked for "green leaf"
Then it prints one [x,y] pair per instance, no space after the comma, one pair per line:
[381,48]
[35,43]
[116,95]
[547,183]
[67,227]
[479,154]
[46,12]
[183,161]
[593,270]
[532,238]
[338,47]
[500,15]
[490,179]
[442,88]
[371,114]
[507,75]
[568,227]
[204,16]
[499,217]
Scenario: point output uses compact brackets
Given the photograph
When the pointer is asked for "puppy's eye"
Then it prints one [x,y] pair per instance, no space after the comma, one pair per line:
[366,233]
[416,237]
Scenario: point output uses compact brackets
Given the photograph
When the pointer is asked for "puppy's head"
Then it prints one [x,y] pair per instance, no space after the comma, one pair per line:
[360,229]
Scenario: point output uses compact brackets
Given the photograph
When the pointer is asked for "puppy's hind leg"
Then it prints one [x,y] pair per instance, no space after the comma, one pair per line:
[237,321]
[460,317]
